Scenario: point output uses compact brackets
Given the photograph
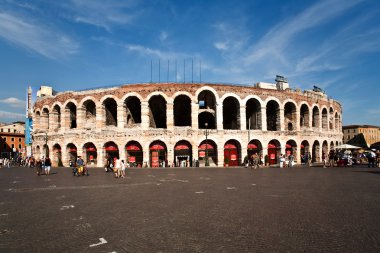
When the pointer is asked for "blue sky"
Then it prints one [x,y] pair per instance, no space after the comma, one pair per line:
[79,44]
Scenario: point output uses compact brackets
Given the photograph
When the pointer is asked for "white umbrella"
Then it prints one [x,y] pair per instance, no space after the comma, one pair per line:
[346,146]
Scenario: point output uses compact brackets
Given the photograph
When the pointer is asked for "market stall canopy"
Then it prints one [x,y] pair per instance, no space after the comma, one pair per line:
[346,146]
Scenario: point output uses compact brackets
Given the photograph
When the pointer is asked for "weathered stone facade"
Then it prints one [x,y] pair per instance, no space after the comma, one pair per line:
[151,123]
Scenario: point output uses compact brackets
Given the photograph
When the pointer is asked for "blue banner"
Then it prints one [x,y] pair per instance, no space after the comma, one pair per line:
[28,131]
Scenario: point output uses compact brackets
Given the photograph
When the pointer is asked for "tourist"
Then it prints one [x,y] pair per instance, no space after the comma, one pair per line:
[117,167]
[122,171]
[80,164]
[39,166]
[282,161]
[324,157]
[47,165]
[1,162]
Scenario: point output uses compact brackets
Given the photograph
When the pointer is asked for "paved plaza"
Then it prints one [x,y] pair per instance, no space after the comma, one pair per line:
[299,209]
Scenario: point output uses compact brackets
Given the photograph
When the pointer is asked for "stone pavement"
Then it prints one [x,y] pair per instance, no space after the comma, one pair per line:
[299,209]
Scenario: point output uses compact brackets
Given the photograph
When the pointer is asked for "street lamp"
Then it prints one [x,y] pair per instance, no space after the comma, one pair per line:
[206,163]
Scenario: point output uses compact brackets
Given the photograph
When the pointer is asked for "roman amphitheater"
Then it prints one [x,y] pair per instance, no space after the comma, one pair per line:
[158,124]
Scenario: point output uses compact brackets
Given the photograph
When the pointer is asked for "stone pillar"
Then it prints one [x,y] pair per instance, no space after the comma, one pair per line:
[263,118]
[122,153]
[65,158]
[311,120]
[53,121]
[63,121]
[220,156]
[170,154]
[100,117]
[282,120]
[81,117]
[146,156]
[120,115]
[219,116]
[243,120]
[169,116]
[100,156]
[144,116]
[195,153]
[194,116]
[298,121]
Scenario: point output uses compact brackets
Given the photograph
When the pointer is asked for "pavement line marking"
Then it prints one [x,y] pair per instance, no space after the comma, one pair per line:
[231,188]
[200,192]
[102,241]
[3,214]
[253,184]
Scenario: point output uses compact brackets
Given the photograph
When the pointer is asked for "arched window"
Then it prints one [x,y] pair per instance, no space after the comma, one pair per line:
[182,111]
[273,116]
[253,114]
[157,112]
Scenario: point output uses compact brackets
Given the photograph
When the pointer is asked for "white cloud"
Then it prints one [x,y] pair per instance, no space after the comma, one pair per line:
[36,37]
[149,52]
[163,36]
[101,14]
[11,115]
[221,45]
[13,102]
[274,43]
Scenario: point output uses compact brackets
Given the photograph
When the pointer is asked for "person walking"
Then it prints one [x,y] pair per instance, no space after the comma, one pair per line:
[117,167]
[80,164]
[1,162]
[122,172]
[47,165]
[39,166]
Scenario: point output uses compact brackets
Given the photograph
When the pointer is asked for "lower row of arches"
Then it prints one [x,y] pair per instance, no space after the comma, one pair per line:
[183,156]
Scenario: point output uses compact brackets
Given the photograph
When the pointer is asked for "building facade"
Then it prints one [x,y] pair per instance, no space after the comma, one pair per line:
[361,135]
[12,138]
[179,123]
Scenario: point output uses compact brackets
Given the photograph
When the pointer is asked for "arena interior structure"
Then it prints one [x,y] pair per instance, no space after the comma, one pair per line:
[185,124]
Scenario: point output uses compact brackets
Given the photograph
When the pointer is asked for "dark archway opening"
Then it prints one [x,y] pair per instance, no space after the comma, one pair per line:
[133,111]
[231,113]
[110,107]
[72,112]
[157,112]
[182,111]
[253,114]
[273,116]
[206,117]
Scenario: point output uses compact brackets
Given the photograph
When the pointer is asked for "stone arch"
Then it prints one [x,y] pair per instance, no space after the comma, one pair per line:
[315,117]
[254,146]
[207,109]
[157,111]
[179,93]
[70,115]
[85,99]
[72,152]
[111,152]
[253,113]
[183,154]
[37,120]
[208,153]
[158,93]
[331,119]
[209,89]
[90,153]
[325,121]
[315,156]
[89,113]
[132,110]
[232,153]
[231,113]
[134,153]
[45,118]
[182,110]
[291,149]
[110,111]
[56,158]
[290,116]
[274,151]
[304,116]
[325,148]
[158,154]
[336,121]
[332,145]
[273,115]
[56,116]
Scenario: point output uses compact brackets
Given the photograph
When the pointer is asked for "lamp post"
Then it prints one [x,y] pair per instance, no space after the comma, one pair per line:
[206,163]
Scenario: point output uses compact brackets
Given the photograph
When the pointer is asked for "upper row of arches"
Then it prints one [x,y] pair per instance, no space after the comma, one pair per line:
[229,111]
